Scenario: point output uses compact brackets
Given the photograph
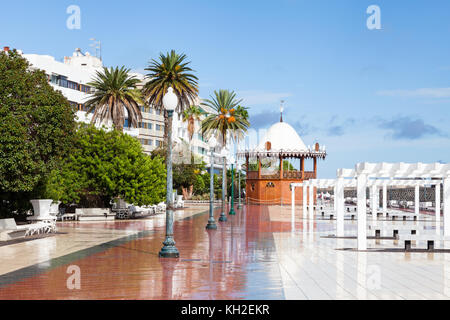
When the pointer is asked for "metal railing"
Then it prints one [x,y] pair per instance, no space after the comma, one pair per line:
[296,175]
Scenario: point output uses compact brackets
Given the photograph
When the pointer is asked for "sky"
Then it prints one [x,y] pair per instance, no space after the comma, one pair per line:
[367,95]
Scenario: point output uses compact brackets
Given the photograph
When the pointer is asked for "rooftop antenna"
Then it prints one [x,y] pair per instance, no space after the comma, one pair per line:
[282,110]
[97,45]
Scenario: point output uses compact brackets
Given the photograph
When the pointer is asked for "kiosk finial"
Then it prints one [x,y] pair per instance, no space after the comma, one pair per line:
[281,110]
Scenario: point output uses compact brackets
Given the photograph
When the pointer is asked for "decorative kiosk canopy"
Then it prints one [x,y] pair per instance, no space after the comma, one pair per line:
[269,180]
[283,141]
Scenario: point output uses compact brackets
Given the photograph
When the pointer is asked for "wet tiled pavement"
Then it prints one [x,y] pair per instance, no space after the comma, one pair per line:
[234,262]
[255,255]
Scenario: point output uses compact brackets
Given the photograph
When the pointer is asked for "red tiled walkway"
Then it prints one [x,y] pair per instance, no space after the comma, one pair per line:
[237,261]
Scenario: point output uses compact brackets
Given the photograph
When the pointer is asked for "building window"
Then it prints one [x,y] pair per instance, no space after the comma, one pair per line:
[72,85]
[85,89]
[54,79]
[73,105]
[62,82]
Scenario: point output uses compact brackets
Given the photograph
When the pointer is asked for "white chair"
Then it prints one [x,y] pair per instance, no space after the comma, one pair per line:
[179,203]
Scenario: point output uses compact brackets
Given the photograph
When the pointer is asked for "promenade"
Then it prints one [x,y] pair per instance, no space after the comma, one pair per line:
[255,255]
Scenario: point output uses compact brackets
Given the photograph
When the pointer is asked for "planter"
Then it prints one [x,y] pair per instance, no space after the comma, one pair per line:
[41,209]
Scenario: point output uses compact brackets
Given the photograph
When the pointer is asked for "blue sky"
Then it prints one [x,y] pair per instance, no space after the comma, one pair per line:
[368,95]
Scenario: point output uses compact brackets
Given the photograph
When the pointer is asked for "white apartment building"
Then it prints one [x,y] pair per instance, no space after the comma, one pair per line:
[72,75]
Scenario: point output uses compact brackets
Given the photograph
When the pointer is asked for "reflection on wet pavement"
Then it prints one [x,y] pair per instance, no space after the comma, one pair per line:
[255,255]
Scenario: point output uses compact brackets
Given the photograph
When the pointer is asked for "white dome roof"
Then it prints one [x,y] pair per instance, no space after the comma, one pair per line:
[282,137]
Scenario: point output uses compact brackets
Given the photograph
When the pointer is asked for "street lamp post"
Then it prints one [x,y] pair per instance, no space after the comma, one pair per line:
[211,222]
[239,168]
[224,153]
[169,250]
[232,212]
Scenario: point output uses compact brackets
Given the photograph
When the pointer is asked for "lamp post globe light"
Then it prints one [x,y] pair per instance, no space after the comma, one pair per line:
[211,222]
[170,102]
[232,212]
[223,154]
[239,168]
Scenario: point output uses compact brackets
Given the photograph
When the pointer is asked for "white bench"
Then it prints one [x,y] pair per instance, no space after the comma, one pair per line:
[401,214]
[332,215]
[429,238]
[10,231]
[394,229]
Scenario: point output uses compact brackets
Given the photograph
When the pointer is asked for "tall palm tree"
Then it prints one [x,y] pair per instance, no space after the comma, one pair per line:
[228,119]
[170,70]
[190,115]
[115,91]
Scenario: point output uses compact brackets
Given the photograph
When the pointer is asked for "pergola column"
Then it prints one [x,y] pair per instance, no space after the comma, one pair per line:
[373,201]
[335,198]
[311,201]
[417,200]
[339,195]
[437,217]
[361,186]
[384,200]
[305,200]
[446,189]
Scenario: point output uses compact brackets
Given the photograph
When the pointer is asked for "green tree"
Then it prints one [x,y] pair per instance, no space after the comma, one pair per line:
[106,165]
[36,129]
[115,92]
[200,185]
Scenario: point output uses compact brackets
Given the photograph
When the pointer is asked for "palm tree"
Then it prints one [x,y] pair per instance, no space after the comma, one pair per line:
[229,119]
[190,115]
[115,92]
[243,111]
[171,70]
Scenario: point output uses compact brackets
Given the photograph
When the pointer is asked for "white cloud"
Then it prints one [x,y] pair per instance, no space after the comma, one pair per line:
[257,97]
[423,93]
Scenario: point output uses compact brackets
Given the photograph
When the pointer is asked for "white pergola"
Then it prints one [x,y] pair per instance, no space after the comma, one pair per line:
[375,176]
